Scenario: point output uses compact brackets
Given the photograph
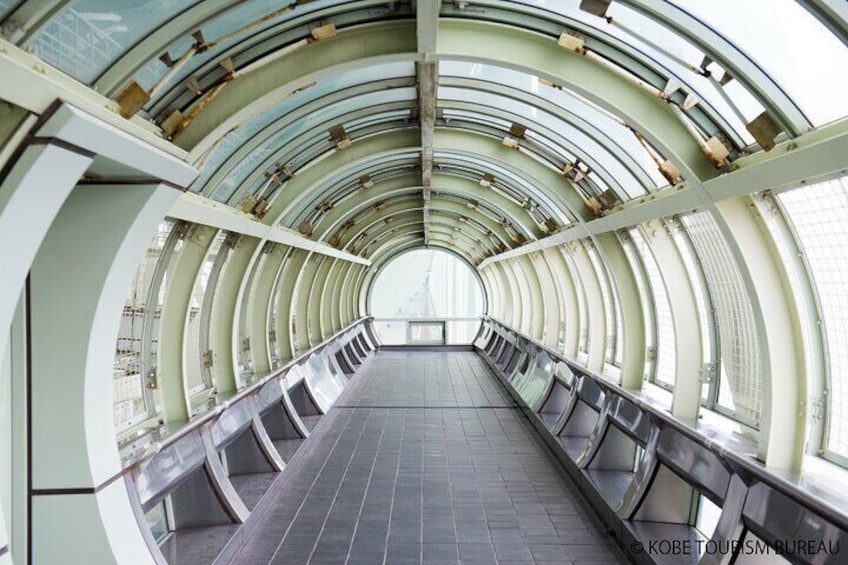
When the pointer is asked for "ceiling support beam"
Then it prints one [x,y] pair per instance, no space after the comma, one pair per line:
[428,77]
[35,86]
[813,157]
[201,210]
[427,71]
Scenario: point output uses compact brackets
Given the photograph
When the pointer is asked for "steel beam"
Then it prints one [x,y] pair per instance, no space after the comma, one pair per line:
[199,209]
[428,79]
[813,157]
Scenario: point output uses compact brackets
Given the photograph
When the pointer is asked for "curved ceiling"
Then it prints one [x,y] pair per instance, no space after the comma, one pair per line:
[480,126]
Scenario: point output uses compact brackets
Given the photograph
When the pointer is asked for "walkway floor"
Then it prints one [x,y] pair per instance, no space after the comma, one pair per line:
[425,459]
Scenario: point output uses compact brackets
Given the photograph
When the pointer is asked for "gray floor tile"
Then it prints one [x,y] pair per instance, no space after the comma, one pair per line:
[425,459]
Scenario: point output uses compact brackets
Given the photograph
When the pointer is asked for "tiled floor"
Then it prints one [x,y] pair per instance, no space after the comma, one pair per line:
[425,459]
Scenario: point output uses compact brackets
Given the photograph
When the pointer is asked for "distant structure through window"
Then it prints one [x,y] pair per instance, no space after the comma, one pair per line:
[426,296]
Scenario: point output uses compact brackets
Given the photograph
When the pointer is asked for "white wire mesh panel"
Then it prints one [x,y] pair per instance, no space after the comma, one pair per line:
[247,306]
[193,356]
[739,387]
[696,279]
[128,382]
[817,213]
[583,320]
[610,307]
[642,283]
[666,356]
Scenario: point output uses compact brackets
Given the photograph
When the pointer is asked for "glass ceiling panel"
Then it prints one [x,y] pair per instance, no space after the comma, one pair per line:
[790,44]
[5,6]
[684,59]
[322,117]
[224,23]
[504,125]
[571,104]
[89,35]
[241,135]
[591,149]
[673,53]
[506,176]
[374,166]
[311,150]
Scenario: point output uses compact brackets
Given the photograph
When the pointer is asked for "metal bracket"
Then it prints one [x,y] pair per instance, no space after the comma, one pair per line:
[207,359]
[151,380]
[708,373]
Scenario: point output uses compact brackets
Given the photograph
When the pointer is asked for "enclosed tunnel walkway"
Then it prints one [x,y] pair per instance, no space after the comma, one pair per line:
[425,458]
[200,200]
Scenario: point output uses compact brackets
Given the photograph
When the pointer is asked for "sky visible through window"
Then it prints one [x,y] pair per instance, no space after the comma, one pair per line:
[427,283]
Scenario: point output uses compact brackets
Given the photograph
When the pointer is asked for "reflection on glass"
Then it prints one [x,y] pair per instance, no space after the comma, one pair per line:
[194,362]
[300,127]
[157,520]
[90,35]
[5,5]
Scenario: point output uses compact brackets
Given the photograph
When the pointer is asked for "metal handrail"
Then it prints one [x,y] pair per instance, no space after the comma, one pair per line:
[170,437]
[733,459]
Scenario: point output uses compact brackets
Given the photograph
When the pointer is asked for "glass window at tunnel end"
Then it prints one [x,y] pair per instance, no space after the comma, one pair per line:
[426,284]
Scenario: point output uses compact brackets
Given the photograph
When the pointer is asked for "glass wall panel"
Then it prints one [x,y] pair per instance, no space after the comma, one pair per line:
[6,6]
[646,298]
[197,378]
[228,186]
[611,310]
[129,381]
[696,277]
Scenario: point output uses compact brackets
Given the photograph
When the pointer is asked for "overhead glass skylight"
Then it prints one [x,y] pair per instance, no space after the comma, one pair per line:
[89,35]
[604,128]
[222,32]
[426,285]
[130,393]
[242,134]
[666,53]
[321,120]
[790,44]
[198,377]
